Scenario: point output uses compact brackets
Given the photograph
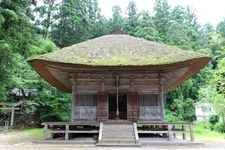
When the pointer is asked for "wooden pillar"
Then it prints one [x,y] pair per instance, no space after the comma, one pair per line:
[73,80]
[103,84]
[45,134]
[174,129]
[192,131]
[131,83]
[183,134]
[67,132]
[12,115]
[100,132]
[117,96]
[169,132]
[161,98]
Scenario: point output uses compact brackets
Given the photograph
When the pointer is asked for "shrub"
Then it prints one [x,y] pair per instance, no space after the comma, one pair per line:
[214,119]
[171,116]
[219,127]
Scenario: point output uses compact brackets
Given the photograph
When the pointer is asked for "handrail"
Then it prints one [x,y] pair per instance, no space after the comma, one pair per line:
[71,123]
[170,129]
[100,132]
[136,132]
[48,128]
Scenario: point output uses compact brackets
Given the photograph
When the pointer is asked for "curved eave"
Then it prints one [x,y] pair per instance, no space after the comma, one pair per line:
[195,64]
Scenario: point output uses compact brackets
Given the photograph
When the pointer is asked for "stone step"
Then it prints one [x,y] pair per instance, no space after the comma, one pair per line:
[118,125]
[118,144]
[118,129]
[122,126]
[117,141]
[117,132]
[118,135]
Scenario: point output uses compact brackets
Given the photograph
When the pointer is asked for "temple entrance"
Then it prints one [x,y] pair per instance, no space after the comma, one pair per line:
[122,106]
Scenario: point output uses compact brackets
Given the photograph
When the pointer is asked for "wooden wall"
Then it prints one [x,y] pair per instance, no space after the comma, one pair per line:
[144,96]
[84,107]
[95,83]
[150,107]
[139,107]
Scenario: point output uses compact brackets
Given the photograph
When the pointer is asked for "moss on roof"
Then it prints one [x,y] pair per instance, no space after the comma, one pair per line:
[119,50]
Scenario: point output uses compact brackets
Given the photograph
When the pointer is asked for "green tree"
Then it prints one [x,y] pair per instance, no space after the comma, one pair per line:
[177,34]
[45,16]
[146,28]
[101,27]
[131,22]
[117,18]
[213,91]
[207,31]
[39,98]
[221,28]
[15,37]
[182,109]
[162,18]
[72,25]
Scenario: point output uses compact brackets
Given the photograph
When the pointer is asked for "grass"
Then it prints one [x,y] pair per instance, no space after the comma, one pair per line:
[36,133]
[202,131]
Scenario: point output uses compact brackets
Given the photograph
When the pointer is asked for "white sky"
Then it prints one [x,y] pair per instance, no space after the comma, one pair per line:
[212,11]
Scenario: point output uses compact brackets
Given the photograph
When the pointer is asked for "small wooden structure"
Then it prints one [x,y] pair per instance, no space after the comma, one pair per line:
[12,107]
[118,77]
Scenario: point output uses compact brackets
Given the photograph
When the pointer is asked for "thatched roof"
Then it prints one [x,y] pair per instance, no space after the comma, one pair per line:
[119,50]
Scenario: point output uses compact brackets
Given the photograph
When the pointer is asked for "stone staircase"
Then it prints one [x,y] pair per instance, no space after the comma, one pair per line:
[118,134]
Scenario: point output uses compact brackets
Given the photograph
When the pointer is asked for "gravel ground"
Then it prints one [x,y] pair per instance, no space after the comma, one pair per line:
[21,142]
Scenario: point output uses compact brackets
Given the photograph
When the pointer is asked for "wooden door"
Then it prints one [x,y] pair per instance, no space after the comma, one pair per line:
[132,106]
[102,107]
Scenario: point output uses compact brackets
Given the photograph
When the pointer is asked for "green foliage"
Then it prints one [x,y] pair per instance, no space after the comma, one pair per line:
[45,16]
[131,22]
[214,119]
[146,28]
[162,18]
[172,116]
[221,28]
[177,34]
[15,37]
[201,132]
[117,18]
[74,22]
[183,109]
[42,46]
[219,127]
[52,104]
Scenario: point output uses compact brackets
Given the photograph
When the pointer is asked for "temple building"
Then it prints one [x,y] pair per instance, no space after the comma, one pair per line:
[118,77]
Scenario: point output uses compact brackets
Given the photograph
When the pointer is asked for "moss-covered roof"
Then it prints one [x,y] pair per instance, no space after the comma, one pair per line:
[119,50]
